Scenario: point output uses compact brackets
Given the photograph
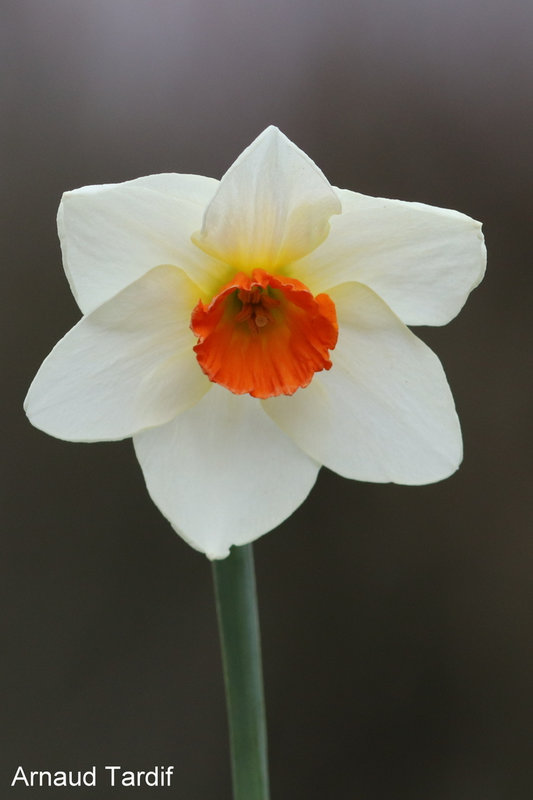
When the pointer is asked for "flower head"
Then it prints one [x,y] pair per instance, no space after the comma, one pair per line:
[246,332]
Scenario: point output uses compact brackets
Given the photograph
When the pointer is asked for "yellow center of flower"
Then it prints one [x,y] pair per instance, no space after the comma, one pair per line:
[264,335]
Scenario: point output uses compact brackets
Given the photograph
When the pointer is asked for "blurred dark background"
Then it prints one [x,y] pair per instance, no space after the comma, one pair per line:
[397,622]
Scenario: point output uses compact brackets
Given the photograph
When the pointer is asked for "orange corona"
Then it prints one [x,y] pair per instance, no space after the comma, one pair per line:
[264,335]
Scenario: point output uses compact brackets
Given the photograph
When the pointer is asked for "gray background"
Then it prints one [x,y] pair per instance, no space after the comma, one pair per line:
[397,622]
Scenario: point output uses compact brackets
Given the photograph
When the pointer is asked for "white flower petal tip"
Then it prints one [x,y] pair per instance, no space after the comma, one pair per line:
[384,412]
[124,367]
[113,234]
[272,207]
[422,260]
[293,298]
[223,473]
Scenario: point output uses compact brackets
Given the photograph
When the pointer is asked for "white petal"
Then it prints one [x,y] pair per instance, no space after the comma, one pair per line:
[384,412]
[126,366]
[423,261]
[113,234]
[272,206]
[198,189]
[223,473]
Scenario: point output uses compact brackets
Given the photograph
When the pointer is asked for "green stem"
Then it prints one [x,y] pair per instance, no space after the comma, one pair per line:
[238,623]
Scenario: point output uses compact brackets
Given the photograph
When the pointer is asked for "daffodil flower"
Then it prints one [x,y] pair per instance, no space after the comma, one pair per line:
[246,332]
